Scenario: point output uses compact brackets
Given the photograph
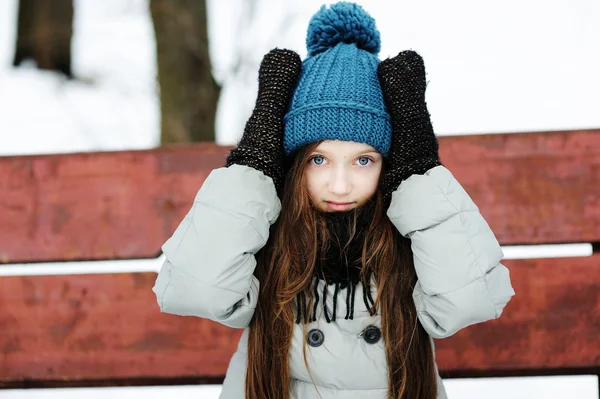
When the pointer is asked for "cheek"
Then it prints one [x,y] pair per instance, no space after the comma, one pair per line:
[369,183]
[313,184]
[370,187]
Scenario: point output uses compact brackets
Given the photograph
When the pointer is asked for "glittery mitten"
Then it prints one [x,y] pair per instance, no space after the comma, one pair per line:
[414,148]
[261,146]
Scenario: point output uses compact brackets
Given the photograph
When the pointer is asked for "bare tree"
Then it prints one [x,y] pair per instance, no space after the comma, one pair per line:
[188,91]
[44,34]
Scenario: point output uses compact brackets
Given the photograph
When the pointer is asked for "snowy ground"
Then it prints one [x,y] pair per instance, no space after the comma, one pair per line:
[113,103]
[493,67]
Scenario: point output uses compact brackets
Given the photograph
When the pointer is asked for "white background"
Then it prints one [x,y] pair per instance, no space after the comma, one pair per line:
[493,67]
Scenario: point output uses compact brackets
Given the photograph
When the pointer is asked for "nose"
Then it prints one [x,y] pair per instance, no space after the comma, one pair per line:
[339,182]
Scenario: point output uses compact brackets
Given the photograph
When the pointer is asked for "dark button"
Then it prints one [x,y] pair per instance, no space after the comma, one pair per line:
[372,334]
[315,338]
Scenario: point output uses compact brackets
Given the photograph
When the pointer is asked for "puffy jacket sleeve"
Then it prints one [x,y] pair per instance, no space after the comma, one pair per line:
[460,280]
[209,259]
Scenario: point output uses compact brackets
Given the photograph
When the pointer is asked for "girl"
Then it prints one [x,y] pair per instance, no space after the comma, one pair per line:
[334,235]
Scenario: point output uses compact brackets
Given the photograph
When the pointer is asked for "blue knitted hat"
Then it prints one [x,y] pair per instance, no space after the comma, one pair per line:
[338,96]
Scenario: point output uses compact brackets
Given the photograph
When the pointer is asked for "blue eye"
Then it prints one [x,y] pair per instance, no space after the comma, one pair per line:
[317,160]
[364,161]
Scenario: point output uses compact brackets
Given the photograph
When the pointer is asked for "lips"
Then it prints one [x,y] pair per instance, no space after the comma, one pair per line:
[339,206]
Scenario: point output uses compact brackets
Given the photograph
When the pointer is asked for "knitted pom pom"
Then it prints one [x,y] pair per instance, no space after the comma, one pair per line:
[342,22]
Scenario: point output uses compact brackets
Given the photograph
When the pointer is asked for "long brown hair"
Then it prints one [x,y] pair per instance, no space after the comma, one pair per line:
[285,268]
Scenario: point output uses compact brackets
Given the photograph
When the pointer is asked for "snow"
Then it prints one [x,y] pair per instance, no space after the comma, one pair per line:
[490,69]
[154,265]
[493,67]
[564,387]
[113,103]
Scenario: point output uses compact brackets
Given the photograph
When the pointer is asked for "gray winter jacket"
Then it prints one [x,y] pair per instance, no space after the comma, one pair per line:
[208,272]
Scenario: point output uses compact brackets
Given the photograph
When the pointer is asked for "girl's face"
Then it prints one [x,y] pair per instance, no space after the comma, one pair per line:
[342,175]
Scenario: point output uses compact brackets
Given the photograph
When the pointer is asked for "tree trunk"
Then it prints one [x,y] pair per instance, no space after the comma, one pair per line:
[44,34]
[188,91]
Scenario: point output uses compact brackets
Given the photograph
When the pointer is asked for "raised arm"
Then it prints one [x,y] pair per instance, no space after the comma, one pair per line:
[456,256]
[209,266]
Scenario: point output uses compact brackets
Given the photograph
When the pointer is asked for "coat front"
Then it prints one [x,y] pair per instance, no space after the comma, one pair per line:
[208,272]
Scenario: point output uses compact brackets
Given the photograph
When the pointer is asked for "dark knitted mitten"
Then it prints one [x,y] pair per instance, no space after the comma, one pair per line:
[261,146]
[414,148]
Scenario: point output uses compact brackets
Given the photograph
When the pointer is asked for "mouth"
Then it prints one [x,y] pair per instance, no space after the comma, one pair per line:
[339,206]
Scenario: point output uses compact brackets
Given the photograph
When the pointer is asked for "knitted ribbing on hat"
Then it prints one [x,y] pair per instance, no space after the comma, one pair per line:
[338,96]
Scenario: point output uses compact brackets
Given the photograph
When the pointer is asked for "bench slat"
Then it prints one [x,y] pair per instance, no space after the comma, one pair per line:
[108,327]
[532,188]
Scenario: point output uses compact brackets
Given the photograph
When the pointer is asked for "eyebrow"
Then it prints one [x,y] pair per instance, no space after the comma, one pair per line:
[366,151]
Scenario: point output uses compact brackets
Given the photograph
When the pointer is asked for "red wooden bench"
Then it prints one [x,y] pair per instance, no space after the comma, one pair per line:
[106,329]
